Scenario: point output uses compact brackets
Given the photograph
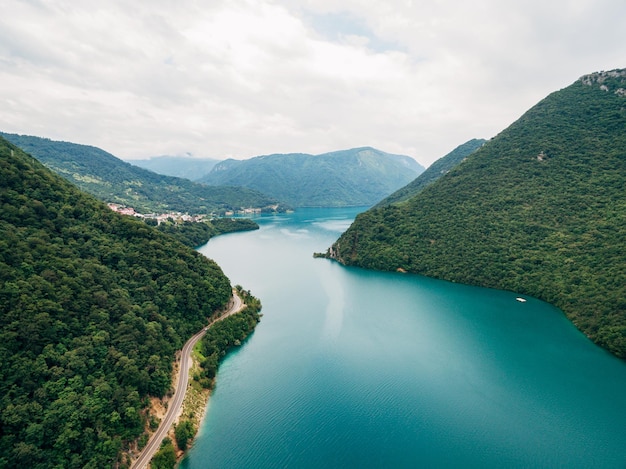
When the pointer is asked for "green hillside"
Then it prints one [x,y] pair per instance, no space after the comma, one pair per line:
[195,234]
[540,210]
[440,167]
[93,306]
[361,176]
[179,166]
[112,180]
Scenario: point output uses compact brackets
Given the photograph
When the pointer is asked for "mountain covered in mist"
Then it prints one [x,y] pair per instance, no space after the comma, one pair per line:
[113,180]
[360,176]
[540,209]
[187,167]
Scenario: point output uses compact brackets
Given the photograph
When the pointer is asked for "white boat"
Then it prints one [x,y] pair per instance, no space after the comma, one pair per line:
[520,299]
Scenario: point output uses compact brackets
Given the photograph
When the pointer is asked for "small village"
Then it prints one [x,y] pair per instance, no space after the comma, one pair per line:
[177,216]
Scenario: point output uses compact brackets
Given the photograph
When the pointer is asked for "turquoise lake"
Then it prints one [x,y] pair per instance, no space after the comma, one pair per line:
[355,369]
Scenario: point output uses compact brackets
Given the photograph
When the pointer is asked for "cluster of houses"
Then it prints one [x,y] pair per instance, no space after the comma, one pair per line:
[176,216]
[160,218]
[245,211]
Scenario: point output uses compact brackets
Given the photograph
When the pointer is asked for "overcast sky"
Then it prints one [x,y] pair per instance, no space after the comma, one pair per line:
[239,78]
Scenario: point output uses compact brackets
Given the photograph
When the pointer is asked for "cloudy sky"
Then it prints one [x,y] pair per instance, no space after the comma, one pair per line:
[239,78]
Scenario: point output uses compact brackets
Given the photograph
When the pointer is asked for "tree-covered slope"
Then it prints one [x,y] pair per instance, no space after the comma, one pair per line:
[113,180]
[361,176]
[179,166]
[195,234]
[540,210]
[92,307]
[440,167]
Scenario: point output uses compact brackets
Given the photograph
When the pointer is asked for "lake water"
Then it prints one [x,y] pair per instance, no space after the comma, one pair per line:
[353,368]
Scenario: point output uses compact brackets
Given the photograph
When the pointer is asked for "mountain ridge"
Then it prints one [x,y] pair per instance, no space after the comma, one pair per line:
[440,167]
[358,176]
[113,180]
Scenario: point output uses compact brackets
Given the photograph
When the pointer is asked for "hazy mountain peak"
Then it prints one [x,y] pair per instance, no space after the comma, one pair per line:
[358,176]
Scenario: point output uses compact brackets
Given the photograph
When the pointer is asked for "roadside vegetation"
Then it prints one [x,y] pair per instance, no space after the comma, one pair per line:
[221,337]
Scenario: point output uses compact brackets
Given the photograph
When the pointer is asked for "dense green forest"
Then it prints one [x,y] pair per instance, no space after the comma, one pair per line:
[540,210]
[195,234]
[361,176]
[226,334]
[93,306]
[440,167]
[186,167]
[113,180]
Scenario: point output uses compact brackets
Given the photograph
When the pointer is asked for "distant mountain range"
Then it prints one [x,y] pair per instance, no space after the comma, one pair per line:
[540,210]
[178,166]
[439,168]
[360,176]
[113,180]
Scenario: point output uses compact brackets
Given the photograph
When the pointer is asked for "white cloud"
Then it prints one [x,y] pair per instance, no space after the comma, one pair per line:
[242,78]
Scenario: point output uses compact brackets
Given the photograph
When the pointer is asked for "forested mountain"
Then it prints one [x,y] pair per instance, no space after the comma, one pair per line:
[540,210]
[179,166]
[113,180]
[361,176]
[440,167]
[93,305]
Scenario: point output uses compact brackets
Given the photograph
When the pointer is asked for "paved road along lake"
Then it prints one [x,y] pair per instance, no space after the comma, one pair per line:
[353,368]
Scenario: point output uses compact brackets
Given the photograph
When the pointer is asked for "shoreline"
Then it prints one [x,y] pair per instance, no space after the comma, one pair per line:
[184,359]
[198,409]
[194,408]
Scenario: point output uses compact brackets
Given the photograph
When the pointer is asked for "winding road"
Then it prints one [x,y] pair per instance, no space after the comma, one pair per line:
[175,405]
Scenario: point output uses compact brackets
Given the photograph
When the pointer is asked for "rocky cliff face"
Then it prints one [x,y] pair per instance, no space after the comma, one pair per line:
[612,81]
